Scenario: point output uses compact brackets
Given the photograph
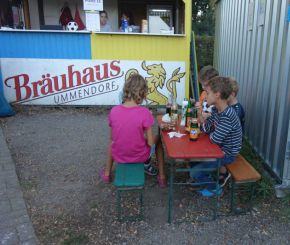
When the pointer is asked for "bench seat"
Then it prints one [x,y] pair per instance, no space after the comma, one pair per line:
[244,178]
[242,171]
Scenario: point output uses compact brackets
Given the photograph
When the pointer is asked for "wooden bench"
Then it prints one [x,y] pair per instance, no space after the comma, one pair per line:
[243,176]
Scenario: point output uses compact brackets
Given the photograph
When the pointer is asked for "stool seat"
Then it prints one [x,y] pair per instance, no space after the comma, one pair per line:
[129,175]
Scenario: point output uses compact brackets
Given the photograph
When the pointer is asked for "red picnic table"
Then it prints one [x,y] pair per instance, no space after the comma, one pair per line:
[183,150]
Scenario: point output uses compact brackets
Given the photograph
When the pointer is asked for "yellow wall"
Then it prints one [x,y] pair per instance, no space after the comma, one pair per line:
[146,47]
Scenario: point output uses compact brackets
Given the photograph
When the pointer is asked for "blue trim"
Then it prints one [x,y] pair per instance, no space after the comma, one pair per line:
[5,108]
[46,45]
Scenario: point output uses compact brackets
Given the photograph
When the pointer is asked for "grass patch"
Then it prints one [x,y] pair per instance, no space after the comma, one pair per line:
[285,210]
[27,185]
[75,239]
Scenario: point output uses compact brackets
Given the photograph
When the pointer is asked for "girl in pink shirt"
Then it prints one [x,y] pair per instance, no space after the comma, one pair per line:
[131,135]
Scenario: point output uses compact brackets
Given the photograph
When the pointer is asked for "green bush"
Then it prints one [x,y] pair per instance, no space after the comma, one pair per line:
[204,50]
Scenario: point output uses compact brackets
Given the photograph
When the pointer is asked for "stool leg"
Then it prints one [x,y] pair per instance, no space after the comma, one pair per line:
[232,196]
[170,196]
[141,204]
[252,190]
[119,204]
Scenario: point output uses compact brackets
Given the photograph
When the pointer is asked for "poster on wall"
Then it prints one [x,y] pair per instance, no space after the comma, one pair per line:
[93,21]
[96,5]
[87,82]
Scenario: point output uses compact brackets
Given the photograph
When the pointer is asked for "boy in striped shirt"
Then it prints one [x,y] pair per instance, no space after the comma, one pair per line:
[223,126]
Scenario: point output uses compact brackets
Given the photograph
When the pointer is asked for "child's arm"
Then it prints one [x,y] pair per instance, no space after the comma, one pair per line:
[208,124]
[223,128]
[149,136]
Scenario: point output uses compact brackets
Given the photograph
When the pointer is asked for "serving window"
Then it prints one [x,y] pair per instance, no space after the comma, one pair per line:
[145,16]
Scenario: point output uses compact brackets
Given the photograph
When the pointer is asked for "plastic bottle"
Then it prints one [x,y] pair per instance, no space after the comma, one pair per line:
[183,112]
[124,25]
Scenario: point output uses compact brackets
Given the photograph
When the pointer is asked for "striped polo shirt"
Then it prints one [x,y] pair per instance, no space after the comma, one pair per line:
[225,130]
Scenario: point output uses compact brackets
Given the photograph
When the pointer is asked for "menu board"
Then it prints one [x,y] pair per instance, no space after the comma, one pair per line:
[96,5]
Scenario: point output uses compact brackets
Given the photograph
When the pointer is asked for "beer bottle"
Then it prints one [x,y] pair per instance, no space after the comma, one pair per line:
[174,111]
[188,116]
[169,104]
[195,116]
[193,134]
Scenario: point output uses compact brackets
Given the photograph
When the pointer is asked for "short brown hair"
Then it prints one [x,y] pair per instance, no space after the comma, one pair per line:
[206,73]
[222,85]
[235,85]
[135,88]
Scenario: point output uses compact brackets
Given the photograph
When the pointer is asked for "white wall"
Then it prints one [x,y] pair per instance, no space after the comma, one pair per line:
[52,10]
[34,14]
[111,6]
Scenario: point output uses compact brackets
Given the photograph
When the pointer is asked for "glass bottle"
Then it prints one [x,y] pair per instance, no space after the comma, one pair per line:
[174,111]
[194,130]
[169,104]
[188,116]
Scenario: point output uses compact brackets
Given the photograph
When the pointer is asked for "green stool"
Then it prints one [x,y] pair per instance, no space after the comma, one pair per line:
[130,177]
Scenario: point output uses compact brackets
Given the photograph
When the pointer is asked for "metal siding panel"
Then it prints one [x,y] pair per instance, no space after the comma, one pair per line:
[246,81]
[268,81]
[234,38]
[260,59]
[272,82]
[250,76]
[253,70]
[50,45]
[282,105]
[240,51]
[141,46]
[261,89]
[243,58]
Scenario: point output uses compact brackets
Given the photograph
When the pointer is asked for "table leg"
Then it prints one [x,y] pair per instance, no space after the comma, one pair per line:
[217,204]
[170,194]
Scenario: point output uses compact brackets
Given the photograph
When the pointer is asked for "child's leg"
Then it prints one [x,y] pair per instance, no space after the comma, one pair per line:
[160,156]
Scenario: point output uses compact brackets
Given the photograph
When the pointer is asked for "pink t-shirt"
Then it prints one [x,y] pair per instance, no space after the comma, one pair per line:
[128,127]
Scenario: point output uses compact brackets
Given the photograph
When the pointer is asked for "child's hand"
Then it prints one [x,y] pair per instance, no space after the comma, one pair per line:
[197,105]
[205,115]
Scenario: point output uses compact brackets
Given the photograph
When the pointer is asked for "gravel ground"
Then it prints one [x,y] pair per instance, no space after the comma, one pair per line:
[58,153]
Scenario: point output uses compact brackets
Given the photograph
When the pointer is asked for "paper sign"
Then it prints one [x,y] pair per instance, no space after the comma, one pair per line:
[93,21]
[96,5]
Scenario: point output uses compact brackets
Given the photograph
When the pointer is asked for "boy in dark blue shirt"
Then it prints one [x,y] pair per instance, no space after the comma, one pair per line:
[234,103]
[223,126]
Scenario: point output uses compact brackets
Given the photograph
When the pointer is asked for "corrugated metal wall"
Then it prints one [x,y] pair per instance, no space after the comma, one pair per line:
[253,44]
[46,45]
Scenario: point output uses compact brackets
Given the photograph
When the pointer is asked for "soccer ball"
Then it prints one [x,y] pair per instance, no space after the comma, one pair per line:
[72,26]
[206,107]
